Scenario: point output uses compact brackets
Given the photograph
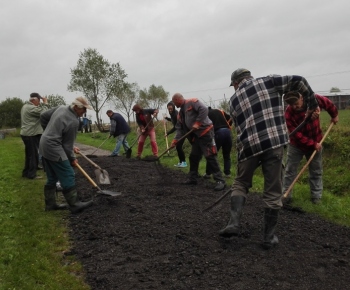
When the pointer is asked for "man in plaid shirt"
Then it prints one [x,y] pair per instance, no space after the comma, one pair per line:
[256,108]
[305,142]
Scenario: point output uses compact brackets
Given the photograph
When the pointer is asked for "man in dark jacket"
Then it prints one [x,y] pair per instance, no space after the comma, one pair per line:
[223,138]
[144,119]
[119,129]
[173,119]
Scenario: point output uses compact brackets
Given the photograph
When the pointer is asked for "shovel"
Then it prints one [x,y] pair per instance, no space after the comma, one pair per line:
[99,190]
[129,151]
[166,137]
[101,174]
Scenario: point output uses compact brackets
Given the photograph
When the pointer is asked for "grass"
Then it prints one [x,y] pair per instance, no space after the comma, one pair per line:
[35,244]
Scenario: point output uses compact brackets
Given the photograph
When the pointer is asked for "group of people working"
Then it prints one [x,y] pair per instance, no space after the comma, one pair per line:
[261,122]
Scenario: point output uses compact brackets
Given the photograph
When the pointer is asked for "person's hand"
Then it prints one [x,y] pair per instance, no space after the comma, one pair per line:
[173,143]
[318,147]
[44,100]
[76,150]
[195,126]
[335,120]
[74,162]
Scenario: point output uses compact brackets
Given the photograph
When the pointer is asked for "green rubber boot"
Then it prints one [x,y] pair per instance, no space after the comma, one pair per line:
[270,222]
[233,226]
[75,205]
[50,199]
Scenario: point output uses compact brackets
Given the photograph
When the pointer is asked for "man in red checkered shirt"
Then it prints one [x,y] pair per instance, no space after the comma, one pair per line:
[305,141]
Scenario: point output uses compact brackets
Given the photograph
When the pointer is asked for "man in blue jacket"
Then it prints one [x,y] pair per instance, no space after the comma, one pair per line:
[119,129]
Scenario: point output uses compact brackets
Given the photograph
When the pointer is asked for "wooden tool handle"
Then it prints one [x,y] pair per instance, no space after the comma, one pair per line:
[307,163]
[87,176]
[90,161]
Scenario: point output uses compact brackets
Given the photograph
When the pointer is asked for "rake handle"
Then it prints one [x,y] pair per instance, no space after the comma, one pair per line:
[307,163]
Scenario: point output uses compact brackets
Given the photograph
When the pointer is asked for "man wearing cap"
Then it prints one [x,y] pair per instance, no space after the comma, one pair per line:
[256,109]
[57,148]
[305,141]
[31,131]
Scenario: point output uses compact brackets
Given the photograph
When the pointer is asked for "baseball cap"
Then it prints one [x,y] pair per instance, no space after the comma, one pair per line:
[239,73]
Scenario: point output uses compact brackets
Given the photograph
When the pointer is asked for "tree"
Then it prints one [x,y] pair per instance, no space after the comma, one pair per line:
[125,99]
[54,101]
[224,105]
[335,90]
[153,98]
[10,112]
[97,79]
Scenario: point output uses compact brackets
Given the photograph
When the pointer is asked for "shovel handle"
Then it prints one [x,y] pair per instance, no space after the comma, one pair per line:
[87,177]
[307,163]
[100,146]
[90,161]
[170,148]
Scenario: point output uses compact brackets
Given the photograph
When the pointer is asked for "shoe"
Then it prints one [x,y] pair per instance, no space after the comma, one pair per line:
[182,164]
[206,176]
[38,177]
[316,200]
[190,182]
[114,155]
[220,185]
[39,167]
[177,165]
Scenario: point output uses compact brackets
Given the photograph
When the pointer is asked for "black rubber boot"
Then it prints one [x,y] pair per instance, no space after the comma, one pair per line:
[270,222]
[233,226]
[75,205]
[50,199]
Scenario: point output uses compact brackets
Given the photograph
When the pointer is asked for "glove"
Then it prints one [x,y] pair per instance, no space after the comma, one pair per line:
[173,143]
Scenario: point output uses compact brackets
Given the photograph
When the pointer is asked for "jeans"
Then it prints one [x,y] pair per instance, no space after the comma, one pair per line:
[271,162]
[294,157]
[121,140]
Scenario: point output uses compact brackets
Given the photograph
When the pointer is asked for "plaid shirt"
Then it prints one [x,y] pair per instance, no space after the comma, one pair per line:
[311,134]
[257,110]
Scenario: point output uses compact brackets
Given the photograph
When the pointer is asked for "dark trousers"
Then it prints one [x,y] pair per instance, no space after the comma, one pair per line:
[180,151]
[59,171]
[223,138]
[204,146]
[31,149]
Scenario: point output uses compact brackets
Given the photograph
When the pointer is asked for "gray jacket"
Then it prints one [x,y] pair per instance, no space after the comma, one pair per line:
[61,126]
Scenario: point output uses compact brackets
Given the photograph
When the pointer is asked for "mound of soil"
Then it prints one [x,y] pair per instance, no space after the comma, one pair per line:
[155,236]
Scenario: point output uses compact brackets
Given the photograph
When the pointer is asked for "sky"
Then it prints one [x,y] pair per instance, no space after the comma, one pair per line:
[186,46]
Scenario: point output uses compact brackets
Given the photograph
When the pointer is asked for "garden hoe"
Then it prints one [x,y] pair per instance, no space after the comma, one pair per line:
[156,158]
[129,151]
[90,155]
[101,174]
[99,190]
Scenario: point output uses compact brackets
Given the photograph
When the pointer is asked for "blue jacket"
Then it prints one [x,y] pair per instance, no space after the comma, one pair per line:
[118,125]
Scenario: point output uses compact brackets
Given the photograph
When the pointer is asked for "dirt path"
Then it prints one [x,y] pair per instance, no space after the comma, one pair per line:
[155,236]
[86,150]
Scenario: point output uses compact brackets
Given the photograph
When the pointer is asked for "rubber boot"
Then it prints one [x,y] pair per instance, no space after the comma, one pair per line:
[50,199]
[75,205]
[270,222]
[233,226]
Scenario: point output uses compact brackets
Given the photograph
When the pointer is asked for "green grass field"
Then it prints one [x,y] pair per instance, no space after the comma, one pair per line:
[35,244]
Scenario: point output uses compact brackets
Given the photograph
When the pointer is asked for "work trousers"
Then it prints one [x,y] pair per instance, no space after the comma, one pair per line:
[31,149]
[152,135]
[294,157]
[204,145]
[271,162]
[59,171]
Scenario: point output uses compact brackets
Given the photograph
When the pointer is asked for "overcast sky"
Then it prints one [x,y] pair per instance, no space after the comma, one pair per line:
[186,46]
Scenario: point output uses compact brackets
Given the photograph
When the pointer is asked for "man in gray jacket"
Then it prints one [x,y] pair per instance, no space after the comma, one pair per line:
[57,148]
[194,116]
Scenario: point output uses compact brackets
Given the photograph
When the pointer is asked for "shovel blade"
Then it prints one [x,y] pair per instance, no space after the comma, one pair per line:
[109,193]
[128,153]
[102,176]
